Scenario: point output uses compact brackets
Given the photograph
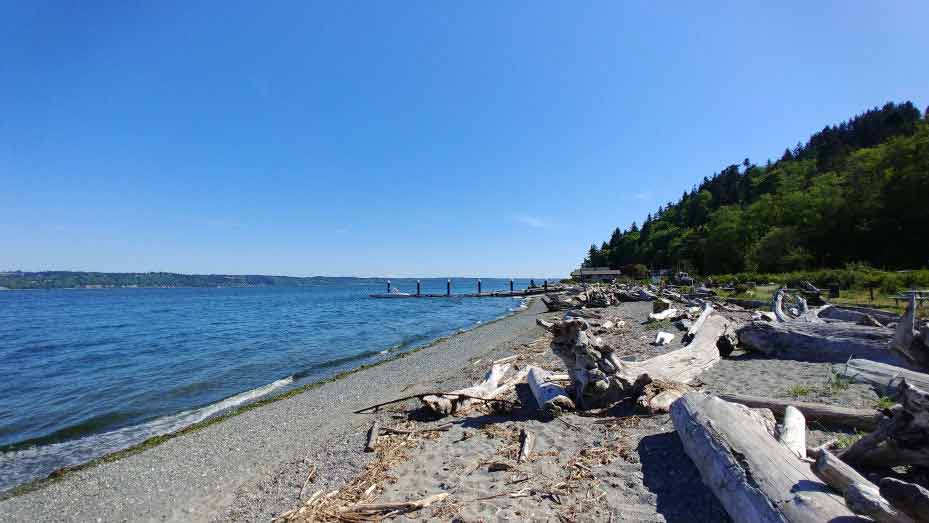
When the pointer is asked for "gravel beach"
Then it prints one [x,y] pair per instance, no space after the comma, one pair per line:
[252,467]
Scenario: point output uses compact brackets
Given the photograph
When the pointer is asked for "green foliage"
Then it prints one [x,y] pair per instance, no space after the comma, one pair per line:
[854,192]
[798,391]
[847,440]
[884,403]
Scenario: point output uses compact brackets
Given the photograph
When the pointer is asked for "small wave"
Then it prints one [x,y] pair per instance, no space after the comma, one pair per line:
[27,464]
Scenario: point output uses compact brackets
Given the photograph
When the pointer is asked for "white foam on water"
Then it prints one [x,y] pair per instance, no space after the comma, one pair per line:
[33,463]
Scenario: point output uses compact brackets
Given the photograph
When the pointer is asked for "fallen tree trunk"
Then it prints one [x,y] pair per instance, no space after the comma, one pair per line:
[899,439]
[684,364]
[829,415]
[692,331]
[854,314]
[910,498]
[754,477]
[886,378]
[820,342]
[527,440]
[549,396]
[793,432]
[907,339]
[449,404]
[862,496]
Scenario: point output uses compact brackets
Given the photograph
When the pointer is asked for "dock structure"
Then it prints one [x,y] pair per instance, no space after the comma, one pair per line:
[512,293]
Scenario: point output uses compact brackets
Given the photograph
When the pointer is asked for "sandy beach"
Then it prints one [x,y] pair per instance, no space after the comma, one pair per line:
[252,466]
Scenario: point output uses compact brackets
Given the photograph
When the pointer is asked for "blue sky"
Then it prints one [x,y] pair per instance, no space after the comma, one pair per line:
[405,138]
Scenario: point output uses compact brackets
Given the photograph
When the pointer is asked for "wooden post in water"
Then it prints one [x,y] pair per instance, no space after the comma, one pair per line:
[546,285]
[478,287]
[448,287]
[417,288]
[511,285]
[388,286]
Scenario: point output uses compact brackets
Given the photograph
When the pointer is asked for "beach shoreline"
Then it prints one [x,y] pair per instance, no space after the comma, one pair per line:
[206,470]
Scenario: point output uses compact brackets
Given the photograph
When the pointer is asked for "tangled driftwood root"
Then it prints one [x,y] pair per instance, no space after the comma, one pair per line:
[352,501]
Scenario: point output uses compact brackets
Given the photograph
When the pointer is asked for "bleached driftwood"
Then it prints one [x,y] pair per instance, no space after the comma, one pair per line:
[854,314]
[549,396]
[862,496]
[907,338]
[684,364]
[527,440]
[820,342]
[372,436]
[493,385]
[909,498]
[692,331]
[867,500]
[372,511]
[448,404]
[777,306]
[885,378]
[754,477]
[664,315]
[663,338]
[899,439]
[829,415]
[793,431]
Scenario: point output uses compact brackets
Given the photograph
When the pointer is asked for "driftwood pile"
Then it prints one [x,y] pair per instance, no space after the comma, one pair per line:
[600,295]
[760,476]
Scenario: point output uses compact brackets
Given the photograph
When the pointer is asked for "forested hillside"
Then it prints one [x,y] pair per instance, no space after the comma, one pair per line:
[855,192]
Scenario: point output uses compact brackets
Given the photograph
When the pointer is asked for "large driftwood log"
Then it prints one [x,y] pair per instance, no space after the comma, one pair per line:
[885,378]
[862,496]
[910,498]
[829,415]
[684,364]
[550,397]
[755,478]
[821,342]
[459,401]
[793,431]
[854,314]
[900,439]
[907,338]
[698,323]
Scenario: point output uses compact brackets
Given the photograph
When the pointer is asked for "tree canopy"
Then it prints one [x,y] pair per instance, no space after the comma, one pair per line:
[854,192]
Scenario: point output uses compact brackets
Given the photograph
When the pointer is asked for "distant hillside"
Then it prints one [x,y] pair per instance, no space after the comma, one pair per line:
[855,192]
[67,279]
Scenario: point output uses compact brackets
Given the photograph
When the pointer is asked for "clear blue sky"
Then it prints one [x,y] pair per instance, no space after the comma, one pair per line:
[405,138]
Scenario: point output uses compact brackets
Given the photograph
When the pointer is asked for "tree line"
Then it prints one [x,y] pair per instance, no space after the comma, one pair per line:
[856,192]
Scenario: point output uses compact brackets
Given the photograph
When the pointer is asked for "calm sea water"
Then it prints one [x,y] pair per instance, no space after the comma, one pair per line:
[87,372]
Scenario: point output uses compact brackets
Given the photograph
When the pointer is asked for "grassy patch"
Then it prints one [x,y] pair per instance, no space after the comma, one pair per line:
[884,403]
[847,440]
[798,391]
[837,382]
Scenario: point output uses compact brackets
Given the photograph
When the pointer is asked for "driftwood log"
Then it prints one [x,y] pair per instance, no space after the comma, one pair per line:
[684,364]
[755,478]
[829,415]
[910,498]
[902,438]
[862,496]
[550,396]
[375,511]
[792,433]
[886,378]
[908,340]
[821,342]
[526,442]
[459,401]
[372,436]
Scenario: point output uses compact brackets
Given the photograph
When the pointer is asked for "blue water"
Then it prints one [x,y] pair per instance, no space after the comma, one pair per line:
[86,372]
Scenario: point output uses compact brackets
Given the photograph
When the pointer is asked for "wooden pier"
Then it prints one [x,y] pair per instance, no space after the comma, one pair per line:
[512,293]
